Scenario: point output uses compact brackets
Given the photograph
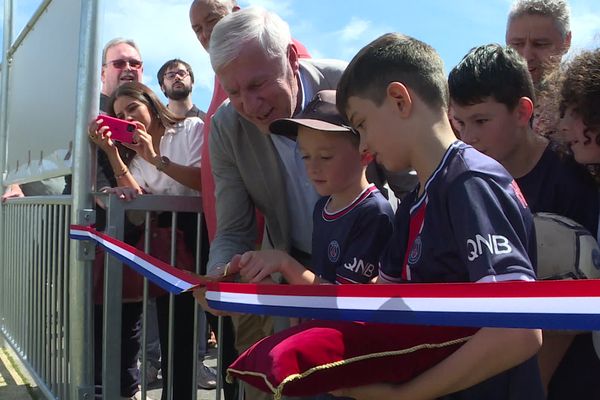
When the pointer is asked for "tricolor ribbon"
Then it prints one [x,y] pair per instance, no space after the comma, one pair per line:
[171,279]
[565,305]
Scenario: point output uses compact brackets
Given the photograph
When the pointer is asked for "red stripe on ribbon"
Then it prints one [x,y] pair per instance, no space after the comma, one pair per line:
[183,275]
[524,289]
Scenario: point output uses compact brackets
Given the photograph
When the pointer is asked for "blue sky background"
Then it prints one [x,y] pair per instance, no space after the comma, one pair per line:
[328,28]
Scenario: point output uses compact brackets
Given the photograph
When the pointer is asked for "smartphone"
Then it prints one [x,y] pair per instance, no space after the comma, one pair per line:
[121,130]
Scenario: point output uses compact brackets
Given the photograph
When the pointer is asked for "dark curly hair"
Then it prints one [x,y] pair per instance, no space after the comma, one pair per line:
[581,90]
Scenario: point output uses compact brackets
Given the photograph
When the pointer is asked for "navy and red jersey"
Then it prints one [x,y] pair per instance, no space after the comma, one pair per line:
[471,223]
[347,244]
[559,185]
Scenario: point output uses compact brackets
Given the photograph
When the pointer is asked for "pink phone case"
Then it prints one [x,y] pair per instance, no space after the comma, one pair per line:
[121,130]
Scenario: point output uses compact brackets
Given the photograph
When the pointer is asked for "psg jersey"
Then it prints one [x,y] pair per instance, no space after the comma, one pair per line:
[347,244]
[471,223]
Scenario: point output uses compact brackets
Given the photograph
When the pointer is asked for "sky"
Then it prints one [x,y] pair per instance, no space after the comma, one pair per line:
[328,28]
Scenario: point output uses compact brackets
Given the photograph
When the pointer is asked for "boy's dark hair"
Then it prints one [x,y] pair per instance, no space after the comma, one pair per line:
[581,89]
[394,57]
[160,75]
[491,71]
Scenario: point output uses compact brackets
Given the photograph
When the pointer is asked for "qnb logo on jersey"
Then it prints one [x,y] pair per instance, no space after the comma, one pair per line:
[495,244]
[359,267]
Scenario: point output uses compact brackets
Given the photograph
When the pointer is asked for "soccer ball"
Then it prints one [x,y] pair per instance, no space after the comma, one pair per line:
[565,249]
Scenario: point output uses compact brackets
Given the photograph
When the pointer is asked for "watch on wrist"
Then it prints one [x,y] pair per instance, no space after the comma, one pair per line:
[161,162]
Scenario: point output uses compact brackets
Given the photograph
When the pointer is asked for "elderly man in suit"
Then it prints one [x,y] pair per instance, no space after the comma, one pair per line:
[257,63]
[250,166]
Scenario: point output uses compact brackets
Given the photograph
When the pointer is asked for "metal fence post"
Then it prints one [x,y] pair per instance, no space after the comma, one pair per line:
[80,282]
[6,43]
[112,305]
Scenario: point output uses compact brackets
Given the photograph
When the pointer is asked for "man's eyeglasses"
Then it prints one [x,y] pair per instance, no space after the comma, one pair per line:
[182,73]
[120,64]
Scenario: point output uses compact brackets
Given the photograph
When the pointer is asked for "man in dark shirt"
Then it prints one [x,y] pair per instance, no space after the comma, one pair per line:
[176,80]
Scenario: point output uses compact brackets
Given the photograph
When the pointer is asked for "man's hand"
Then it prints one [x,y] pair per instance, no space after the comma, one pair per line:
[200,294]
[255,266]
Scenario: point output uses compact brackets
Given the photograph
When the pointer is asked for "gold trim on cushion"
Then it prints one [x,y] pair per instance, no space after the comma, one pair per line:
[278,391]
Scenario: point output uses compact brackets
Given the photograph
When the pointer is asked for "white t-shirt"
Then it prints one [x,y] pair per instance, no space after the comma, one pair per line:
[181,144]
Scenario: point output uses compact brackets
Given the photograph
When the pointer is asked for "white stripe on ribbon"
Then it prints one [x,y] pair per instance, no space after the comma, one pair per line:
[539,305]
[156,273]
[558,305]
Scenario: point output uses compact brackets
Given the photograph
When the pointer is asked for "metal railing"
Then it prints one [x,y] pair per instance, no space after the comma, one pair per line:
[116,214]
[34,288]
[36,294]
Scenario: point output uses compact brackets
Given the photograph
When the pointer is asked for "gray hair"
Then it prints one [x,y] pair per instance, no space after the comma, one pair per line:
[116,41]
[558,10]
[226,3]
[232,33]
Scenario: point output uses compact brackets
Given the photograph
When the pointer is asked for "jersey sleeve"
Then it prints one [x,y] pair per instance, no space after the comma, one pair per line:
[492,227]
[392,257]
[360,263]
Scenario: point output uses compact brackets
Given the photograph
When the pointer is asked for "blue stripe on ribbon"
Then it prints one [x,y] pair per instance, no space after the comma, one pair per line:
[468,319]
[166,285]
[157,280]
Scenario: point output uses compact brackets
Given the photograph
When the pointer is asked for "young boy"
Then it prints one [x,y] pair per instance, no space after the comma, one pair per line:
[580,106]
[395,93]
[492,97]
[351,224]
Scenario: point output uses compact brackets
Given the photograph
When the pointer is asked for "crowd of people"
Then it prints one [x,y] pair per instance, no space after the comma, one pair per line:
[380,170]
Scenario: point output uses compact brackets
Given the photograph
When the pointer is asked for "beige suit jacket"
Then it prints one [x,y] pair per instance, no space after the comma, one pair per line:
[248,173]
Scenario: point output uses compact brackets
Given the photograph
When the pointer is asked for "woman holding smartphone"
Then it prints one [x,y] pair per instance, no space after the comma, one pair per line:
[167,147]
[166,162]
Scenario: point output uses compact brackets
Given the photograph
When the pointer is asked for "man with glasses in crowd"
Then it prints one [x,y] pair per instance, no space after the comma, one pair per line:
[176,80]
[121,63]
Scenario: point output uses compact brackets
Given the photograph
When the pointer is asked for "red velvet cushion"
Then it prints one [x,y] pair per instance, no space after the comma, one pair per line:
[321,356]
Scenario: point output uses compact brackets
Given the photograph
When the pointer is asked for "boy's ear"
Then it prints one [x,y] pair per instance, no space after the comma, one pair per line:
[524,110]
[399,94]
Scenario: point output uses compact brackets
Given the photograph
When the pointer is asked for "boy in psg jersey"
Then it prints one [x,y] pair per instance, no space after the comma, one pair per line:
[465,222]
[493,99]
[351,223]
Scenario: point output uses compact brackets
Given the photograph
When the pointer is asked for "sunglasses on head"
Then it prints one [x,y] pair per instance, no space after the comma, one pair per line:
[120,64]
